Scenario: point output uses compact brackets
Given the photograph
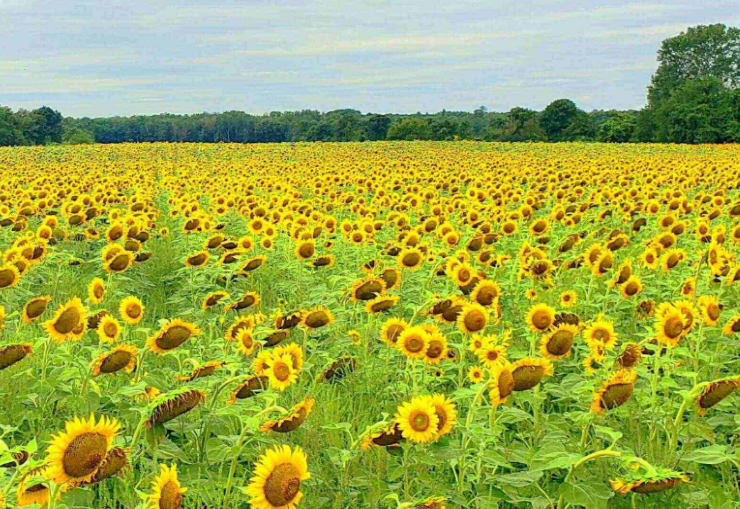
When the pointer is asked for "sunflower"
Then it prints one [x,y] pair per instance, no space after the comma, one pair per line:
[630,356]
[115,461]
[197,260]
[501,384]
[34,308]
[392,329]
[391,277]
[249,387]
[120,262]
[614,392]
[96,291]
[294,351]
[120,358]
[305,249]
[381,434]
[171,335]
[540,317]
[410,258]
[462,274]
[491,355]
[601,334]
[367,289]
[108,329]
[166,407]
[710,309]
[207,369]
[446,414]
[246,342]
[9,276]
[381,304]
[11,354]
[413,342]
[278,474]
[732,326]
[76,454]
[486,293]
[475,374]
[33,488]
[131,310]
[293,420]
[670,326]
[253,263]
[716,391]
[645,483]
[248,300]
[166,490]
[568,298]
[472,319]
[631,287]
[671,258]
[67,321]
[558,342]
[418,419]
[528,372]
[317,317]
[338,369]
[280,371]
[323,261]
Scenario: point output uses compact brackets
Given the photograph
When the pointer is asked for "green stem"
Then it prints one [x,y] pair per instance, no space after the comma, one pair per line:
[585,459]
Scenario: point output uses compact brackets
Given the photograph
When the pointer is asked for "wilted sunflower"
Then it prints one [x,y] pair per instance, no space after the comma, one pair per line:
[293,420]
[338,369]
[381,304]
[67,321]
[166,407]
[249,387]
[614,392]
[108,329]
[644,483]
[115,461]
[601,334]
[207,369]
[120,262]
[76,454]
[630,356]
[418,419]
[323,261]
[10,354]
[278,474]
[120,358]
[34,308]
[317,317]
[557,343]
[171,335]
[528,372]
[501,383]
[253,263]
[381,434]
[197,260]
[166,490]
[96,291]
[472,319]
[540,317]
[716,391]
[212,299]
[131,310]
[280,371]
[33,488]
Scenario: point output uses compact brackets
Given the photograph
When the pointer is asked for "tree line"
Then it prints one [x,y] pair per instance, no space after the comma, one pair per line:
[694,97]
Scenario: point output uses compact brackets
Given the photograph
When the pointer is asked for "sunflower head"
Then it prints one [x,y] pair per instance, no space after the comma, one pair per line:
[171,335]
[540,317]
[615,392]
[166,490]
[34,308]
[166,407]
[529,371]
[293,420]
[418,420]
[277,479]
[131,310]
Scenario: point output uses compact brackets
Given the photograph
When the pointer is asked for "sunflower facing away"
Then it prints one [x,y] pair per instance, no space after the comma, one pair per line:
[293,420]
[171,335]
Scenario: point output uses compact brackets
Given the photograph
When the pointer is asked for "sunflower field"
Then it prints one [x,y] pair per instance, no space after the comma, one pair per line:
[410,325]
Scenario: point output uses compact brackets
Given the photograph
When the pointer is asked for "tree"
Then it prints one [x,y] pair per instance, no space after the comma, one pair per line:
[520,125]
[377,127]
[43,125]
[700,52]
[558,117]
[619,128]
[10,129]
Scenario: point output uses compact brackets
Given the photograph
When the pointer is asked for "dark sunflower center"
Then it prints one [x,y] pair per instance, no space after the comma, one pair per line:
[98,291]
[414,345]
[115,362]
[673,327]
[411,259]
[601,335]
[434,350]
[67,321]
[133,311]
[616,395]
[36,308]
[282,485]
[541,320]
[526,377]
[713,311]
[716,393]
[12,354]
[505,384]
[475,321]
[110,329]
[170,496]
[173,337]
[420,421]
[120,262]
[317,319]
[282,371]
[84,455]
[396,330]
[560,342]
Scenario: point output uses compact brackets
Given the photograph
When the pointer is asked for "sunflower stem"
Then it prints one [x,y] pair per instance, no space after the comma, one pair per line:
[585,459]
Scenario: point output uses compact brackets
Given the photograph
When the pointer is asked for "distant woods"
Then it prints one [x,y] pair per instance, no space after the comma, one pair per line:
[694,97]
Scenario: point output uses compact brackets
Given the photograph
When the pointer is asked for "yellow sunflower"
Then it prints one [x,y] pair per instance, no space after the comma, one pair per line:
[292,420]
[96,291]
[529,371]
[67,321]
[317,317]
[109,330]
[446,414]
[413,342]
[540,317]
[131,310]
[501,383]
[615,392]
[277,479]
[167,493]
[710,309]
[601,334]
[171,335]
[34,308]
[558,342]
[472,319]
[418,419]
[120,358]
[392,329]
[280,371]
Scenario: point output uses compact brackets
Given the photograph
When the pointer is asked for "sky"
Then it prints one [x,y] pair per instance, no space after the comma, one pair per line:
[109,57]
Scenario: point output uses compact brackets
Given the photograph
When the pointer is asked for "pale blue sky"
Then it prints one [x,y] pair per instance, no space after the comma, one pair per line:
[111,57]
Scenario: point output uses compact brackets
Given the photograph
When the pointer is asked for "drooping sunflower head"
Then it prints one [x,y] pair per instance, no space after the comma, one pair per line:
[115,461]
[732,326]
[418,419]
[642,482]
[367,289]
[247,300]
[33,488]
[119,262]
[202,371]
[197,260]
[710,309]
[501,383]
[171,335]
[9,276]
[381,304]
[76,454]
[614,392]
[557,344]
[11,354]
[630,356]
[540,317]
[131,310]
[212,299]
[249,387]
[318,317]
[382,434]
[67,320]
[34,308]
[121,358]
[166,407]
[529,371]
[293,420]
[714,392]
[338,369]
[167,493]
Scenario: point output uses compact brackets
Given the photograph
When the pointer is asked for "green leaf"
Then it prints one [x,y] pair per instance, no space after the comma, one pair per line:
[553,460]
[588,495]
[519,479]
[712,455]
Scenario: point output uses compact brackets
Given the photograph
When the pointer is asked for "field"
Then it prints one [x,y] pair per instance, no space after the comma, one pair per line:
[383,325]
